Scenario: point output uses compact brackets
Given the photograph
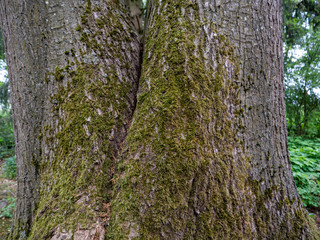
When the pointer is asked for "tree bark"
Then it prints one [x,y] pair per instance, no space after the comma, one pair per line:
[26,53]
[206,156]
[78,106]
[98,70]
[204,153]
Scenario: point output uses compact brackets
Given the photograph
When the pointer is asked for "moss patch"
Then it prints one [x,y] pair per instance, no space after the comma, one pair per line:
[91,109]
[176,169]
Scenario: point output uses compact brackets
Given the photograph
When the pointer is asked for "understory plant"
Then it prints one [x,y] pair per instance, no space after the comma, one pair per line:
[10,168]
[305,160]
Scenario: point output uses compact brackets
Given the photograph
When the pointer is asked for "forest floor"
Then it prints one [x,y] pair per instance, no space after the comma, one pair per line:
[316,212]
[7,199]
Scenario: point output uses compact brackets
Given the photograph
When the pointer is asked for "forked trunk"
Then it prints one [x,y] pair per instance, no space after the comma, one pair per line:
[201,154]
[206,156]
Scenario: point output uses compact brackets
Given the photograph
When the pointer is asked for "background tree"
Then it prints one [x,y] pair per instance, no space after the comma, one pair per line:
[1,46]
[6,131]
[301,37]
[200,152]
[302,73]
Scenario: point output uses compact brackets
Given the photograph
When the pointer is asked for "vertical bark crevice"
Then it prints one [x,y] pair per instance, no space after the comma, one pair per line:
[135,8]
[182,140]
[186,144]
[233,178]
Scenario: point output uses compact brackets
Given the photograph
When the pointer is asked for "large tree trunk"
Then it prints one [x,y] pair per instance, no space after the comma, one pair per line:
[23,27]
[205,156]
[93,76]
[79,64]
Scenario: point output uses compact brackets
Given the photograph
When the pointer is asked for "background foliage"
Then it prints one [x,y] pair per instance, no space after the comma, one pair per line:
[305,162]
[6,128]
[10,168]
[7,158]
[2,56]
[302,80]
[302,66]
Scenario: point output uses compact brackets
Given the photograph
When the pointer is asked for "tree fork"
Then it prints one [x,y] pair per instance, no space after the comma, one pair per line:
[205,155]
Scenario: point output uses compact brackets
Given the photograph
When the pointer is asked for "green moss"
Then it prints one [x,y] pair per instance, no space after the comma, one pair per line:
[100,23]
[58,74]
[77,176]
[177,167]
[176,172]
[72,52]
[174,158]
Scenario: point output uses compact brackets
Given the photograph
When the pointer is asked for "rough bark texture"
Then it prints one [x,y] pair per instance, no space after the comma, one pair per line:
[78,63]
[205,156]
[23,24]
[255,29]
[94,75]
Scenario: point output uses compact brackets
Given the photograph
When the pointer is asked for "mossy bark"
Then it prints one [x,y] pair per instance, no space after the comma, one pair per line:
[88,56]
[94,81]
[206,155]
[201,153]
